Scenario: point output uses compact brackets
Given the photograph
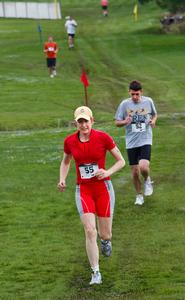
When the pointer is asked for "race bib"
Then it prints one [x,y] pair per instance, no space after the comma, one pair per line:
[87,171]
[138,127]
[50,49]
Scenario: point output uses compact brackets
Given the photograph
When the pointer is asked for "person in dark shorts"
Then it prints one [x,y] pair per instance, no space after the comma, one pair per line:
[51,50]
[104,6]
[94,194]
[138,115]
[70,26]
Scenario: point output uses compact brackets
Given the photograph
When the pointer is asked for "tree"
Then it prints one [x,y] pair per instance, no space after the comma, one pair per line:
[172,5]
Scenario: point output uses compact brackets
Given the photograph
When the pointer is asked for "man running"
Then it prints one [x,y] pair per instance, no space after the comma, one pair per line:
[51,50]
[138,115]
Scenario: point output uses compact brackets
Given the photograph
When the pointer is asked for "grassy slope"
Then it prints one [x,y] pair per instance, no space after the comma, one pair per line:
[40,256]
[114,51]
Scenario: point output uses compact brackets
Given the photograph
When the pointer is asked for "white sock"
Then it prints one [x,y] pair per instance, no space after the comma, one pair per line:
[148,179]
[105,240]
[95,269]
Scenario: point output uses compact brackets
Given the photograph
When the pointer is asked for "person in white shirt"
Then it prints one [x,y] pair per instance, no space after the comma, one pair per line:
[70,26]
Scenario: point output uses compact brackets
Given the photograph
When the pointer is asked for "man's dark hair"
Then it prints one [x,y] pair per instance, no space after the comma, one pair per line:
[135,85]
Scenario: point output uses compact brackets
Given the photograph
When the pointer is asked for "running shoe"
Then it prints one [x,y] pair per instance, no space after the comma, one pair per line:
[148,187]
[106,247]
[96,278]
[139,199]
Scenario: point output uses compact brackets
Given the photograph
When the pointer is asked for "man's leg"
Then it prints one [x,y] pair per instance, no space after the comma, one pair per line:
[135,170]
[144,166]
[70,41]
[137,184]
[54,72]
[49,65]
[51,72]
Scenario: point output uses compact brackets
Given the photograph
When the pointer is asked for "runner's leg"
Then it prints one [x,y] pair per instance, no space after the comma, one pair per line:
[89,223]
[135,170]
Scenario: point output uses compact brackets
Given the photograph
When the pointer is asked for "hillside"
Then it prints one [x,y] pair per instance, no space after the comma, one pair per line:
[42,253]
[113,51]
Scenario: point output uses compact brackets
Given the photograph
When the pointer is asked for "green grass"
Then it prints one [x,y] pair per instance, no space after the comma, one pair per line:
[114,51]
[42,248]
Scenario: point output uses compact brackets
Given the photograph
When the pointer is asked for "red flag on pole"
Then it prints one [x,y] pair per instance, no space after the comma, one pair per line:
[84,79]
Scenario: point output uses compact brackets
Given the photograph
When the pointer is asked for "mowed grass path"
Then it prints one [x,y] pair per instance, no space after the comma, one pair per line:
[42,253]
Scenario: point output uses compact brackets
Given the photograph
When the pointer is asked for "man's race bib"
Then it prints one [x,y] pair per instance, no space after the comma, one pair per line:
[87,171]
[51,49]
[138,127]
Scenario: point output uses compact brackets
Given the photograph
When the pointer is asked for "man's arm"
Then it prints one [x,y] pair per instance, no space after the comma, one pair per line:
[126,121]
[153,121]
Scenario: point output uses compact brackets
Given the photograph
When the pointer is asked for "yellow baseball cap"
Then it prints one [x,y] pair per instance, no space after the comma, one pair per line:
[83,112]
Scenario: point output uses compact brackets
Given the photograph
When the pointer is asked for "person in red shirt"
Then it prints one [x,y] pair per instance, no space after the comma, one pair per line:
[104,5]
[94,191]
[50,50]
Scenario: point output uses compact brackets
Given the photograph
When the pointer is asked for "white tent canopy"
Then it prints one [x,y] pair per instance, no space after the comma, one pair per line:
[30,10]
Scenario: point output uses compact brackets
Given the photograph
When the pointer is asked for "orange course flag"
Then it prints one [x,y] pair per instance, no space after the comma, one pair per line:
[84,79]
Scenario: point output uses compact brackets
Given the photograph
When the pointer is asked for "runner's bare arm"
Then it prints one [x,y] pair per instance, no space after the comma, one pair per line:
[64,170]
[119,164]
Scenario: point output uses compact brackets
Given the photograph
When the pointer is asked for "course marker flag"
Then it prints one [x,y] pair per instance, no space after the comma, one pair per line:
[39,28]
[85,82]
[84,79]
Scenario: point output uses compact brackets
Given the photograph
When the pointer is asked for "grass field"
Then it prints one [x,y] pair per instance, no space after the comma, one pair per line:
[42,252]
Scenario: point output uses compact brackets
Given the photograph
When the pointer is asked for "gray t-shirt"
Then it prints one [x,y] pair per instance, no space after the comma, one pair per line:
[139,132]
